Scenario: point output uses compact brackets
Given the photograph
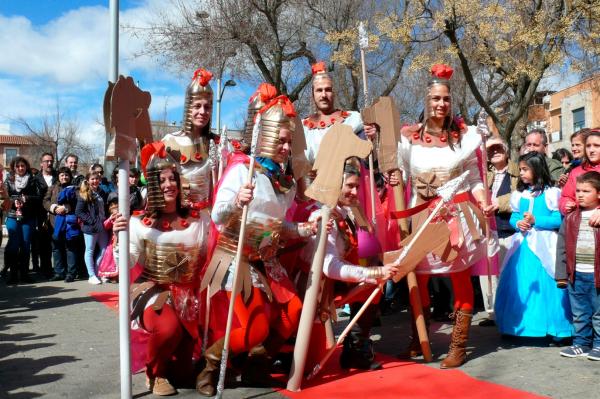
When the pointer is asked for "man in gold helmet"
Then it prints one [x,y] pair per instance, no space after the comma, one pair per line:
[190,145]
[264,280]
[326,114]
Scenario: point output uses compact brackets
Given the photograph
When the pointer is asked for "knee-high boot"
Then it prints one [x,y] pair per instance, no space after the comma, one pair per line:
[414,347]
[206,381]
[457,354]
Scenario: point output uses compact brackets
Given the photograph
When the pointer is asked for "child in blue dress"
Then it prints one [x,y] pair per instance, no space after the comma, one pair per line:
[528,303]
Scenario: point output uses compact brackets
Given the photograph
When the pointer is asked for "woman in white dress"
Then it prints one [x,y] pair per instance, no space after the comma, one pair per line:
[431,153]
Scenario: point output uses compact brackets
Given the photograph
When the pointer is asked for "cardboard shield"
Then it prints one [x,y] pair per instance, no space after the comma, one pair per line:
[385,114]
[126,118]
[300,165]
[339,144]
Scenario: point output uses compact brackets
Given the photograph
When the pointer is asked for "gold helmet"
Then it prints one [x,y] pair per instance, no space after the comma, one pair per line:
[440,74]
[278,113]
[198,88]
[265,93]
[155,159]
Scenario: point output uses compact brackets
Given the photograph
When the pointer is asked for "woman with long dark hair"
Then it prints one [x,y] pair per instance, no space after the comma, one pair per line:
[24,194]
[590,161]
[169,242]
[433,152]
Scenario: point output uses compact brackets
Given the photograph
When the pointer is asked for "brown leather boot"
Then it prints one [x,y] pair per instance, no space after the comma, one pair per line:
[162,387]
[414,348]
[457,354]
[206,381]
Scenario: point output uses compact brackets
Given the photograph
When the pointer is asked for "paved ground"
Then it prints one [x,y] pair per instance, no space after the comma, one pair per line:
[56,342]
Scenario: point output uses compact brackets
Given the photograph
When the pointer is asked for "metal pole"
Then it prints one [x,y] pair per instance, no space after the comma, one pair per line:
[219,95]
[123,192]
[113,63]
[124,323]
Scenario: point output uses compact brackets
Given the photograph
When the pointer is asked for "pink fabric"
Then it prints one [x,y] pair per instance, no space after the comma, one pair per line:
[568,191]
[370,243]
[107,266]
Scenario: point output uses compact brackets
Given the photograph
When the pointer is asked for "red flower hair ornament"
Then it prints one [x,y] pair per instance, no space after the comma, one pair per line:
[286,105]
[442,71]
[203,76]
[318,67]
[155,148]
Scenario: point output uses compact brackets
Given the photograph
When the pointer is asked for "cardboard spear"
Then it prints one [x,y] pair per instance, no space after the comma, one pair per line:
[223,142]
[339,144]
[385,114]
[125,119]
[484,131]
[446,193]
[236,268]
[363,41]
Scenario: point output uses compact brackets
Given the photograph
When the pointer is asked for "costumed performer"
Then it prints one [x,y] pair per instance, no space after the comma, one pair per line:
[315,127]
[191,144]
[432,152]
[341,265]
[268,310]
[170,243]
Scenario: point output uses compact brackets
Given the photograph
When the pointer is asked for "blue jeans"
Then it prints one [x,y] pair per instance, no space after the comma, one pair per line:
[64,255]
[91,241]
[585,306]
[18,247]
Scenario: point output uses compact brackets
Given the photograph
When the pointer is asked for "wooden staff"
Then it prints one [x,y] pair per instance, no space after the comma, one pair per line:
[222,144]
[340,339]
[338,144]
[236,266]
[484,131]
[386,115]
[364,43]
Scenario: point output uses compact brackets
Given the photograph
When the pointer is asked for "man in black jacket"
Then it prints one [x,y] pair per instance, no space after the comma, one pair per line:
[41,248]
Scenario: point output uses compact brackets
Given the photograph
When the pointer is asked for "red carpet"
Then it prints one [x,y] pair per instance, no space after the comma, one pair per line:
[138,339]
[397,380]
[400,379]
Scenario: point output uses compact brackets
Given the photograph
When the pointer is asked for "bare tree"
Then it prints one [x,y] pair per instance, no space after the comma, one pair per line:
[276,41]
[58,135]
[512,43]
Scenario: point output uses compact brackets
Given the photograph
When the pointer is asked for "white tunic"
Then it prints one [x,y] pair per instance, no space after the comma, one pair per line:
[444,162]
[315,135]
[334,264]
[266,207]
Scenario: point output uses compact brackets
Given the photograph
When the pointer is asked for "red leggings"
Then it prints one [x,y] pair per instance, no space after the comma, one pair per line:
[255,320]
[285,317]
[169,346]
[461,285]
[253,325]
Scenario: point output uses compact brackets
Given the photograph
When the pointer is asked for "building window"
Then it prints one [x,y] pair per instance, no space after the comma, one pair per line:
[578,119]
[9,154]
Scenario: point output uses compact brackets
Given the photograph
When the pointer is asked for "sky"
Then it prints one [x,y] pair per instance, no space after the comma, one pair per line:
[57,51]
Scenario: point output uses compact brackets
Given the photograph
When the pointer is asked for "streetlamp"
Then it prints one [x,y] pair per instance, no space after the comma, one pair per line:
[220,92]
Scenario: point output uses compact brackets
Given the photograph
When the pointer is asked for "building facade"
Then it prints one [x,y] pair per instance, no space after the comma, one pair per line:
[572,109]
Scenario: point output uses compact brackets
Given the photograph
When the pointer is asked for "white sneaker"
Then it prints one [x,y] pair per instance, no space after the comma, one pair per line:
[104,279]
[94,280]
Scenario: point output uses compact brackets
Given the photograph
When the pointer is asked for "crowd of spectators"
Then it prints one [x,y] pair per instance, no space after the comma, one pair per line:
[58,220]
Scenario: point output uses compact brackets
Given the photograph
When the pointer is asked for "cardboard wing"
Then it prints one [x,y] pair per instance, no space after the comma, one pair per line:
[300,164]
[129,118]
[385,114]
[339,144]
